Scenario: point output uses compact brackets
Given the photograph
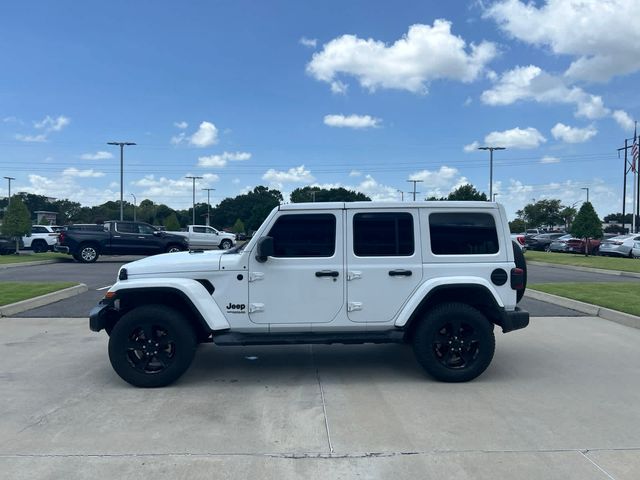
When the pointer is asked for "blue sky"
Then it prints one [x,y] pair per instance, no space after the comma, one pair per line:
[361,94]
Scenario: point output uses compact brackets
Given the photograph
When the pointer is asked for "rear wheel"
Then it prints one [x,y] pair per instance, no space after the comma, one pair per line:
[39,246]
[173,249]
[151,346]
[454,343]
[87,253]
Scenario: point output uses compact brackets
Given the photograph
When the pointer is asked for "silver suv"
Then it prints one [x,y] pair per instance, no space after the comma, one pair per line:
[437,275]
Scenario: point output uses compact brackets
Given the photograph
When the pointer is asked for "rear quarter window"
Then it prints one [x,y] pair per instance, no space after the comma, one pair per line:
[463,233]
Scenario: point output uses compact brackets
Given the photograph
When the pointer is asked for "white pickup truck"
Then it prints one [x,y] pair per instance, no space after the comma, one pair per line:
[203,237]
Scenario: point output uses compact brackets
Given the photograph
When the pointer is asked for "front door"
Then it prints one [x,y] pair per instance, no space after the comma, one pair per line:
[384,263]
[303,282]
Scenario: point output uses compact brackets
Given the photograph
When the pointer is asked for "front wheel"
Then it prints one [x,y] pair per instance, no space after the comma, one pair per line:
[226,244]
[454,342]
[173,249]
[39,246]
[151,346]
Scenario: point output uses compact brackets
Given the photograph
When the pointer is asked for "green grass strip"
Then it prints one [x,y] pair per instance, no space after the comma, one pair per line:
[606,263]
[11,292]
[621,296]
[35,257]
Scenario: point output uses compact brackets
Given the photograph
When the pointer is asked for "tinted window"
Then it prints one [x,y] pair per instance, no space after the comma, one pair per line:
[145,229]
[39,230]
[199,230]
[309,235]
[383,234]
[126,228]
[463,234]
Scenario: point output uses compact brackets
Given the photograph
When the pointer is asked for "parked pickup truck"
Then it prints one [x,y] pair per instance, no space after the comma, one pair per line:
[118,238]
[203,237]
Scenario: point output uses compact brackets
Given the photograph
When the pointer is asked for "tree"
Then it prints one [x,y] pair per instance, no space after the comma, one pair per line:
[317,194]
[517,226]
[252,208]
[541,213]
[171,222]
[467,192]
[568,214]
[238,227]
[17,220]
[587,225]
[68,211]
[617,218]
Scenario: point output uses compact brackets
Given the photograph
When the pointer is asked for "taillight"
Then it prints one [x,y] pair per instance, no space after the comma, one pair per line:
[520,239]
[517,278]
[61,237]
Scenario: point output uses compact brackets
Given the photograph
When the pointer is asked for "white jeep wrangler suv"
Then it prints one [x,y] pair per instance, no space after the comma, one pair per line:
[437,275]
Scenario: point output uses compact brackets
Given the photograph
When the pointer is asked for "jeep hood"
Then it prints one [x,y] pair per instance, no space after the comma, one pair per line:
[178,262]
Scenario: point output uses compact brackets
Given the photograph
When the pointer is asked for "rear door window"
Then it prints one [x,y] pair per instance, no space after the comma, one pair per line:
[463,233]
[383,234]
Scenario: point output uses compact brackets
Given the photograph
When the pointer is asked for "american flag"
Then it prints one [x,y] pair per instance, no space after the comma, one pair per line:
[634,151]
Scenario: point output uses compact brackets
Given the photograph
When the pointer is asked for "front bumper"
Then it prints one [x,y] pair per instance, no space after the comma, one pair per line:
[102,316]
[514,320]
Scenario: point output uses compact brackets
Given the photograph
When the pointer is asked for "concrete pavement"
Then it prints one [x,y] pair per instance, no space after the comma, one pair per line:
[559,401]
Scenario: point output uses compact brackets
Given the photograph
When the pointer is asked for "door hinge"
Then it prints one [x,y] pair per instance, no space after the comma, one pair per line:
[256,307]
[352,275]
[353,306]
[255,276]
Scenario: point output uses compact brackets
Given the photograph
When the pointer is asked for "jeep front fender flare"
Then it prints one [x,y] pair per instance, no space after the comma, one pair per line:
[190,290]
[431,286]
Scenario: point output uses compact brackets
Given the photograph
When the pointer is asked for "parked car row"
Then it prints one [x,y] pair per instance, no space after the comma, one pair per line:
[87,242]
[612,246]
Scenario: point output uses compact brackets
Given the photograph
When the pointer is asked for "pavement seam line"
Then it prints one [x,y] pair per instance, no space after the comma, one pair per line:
[324,405]
[584,454]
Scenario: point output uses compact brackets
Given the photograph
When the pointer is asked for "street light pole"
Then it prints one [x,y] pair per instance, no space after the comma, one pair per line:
[587,189]
[208,203]
[401,195]
[9,191]
[491,149]
[194,196]
[122,145]
[134,206]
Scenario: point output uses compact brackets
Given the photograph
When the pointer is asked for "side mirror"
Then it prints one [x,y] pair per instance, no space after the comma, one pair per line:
[158,233]
[265,249]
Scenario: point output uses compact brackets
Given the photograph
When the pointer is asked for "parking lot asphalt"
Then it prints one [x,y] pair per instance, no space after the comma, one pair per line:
[558,402]
[102,274]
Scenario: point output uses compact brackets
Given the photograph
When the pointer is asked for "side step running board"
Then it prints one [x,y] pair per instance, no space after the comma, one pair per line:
[306,338]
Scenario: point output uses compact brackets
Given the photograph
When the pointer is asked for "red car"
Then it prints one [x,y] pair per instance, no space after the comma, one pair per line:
[576,245]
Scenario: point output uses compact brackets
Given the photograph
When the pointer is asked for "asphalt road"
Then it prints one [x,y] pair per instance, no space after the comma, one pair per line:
[102,274]
[559,402]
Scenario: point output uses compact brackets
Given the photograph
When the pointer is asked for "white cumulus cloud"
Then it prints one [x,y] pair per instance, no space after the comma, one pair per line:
[50,124]
[351,121]
[624,120]
[309,42]
[100,155]
[31,138]
[600,34]
[573,134]
[531,83]
[293,175]
[549,159]
[515,138]
[181,125]
[205,136]
[74,172]
[222,159]
[423,54]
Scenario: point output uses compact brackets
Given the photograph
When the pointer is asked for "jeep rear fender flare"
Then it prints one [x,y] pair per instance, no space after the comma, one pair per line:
[189,290]
[431,286]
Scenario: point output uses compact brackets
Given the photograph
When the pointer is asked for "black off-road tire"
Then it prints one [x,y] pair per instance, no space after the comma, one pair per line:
[151,346]
[225,244]
[87,253]
[520,262]
[472,342]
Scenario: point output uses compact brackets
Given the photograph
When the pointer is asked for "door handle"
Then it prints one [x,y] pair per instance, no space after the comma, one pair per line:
[400,273]
[327,273]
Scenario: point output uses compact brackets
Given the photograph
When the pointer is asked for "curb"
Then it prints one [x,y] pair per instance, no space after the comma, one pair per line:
[588,308]
[29,264]
[24,305]
[618,273]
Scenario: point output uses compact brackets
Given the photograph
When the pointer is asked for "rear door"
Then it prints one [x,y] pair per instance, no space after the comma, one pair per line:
[384,262]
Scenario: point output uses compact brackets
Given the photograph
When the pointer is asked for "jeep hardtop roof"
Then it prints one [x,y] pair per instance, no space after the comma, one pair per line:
[438,204]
